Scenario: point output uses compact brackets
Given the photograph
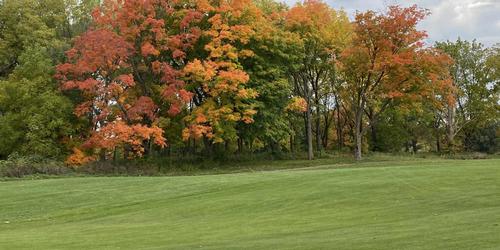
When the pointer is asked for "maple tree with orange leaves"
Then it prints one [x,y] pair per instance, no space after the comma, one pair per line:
[149,58]
[387,60]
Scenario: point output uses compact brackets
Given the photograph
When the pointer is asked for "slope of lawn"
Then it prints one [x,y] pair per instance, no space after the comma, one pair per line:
[421,204]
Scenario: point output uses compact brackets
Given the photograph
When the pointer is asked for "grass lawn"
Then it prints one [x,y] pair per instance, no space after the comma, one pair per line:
[420,204]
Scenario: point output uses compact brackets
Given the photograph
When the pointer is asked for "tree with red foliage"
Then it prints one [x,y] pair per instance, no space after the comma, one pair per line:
[144,59]
[386,61]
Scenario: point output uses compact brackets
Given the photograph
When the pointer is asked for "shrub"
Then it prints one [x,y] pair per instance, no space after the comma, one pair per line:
[18,166]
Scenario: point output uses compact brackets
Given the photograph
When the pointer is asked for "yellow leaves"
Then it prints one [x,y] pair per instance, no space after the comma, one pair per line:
[249,112]
[246,93]
[233,117]
[232,55]
[247,115]
[198,71]
[316,21]
[218,140]
[246,53]
[234,76]
[297,104]
[195,67]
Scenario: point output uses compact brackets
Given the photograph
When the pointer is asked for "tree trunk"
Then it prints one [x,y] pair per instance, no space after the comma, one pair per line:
[318,133]
[126,152]
[450,127]
[115,154]
[208,146]
[340,131]
[310,154]
[373,133]
[373,130]
[414,145]
[358,133]
[240,145]
[437,124]
[325,139]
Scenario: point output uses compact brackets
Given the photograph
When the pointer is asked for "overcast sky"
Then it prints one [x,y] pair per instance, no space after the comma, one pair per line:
[450,19]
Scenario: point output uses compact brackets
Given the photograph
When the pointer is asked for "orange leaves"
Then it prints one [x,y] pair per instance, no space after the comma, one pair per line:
[387,55]
[148,49]
[394,94]
[315,19]
[247,115]
[119,133]
[96,50]
[185,96]
[246,53]
[78,158]
[309,15]
[156,67]
[197,131]
[127,80]
[219,76]
[192,16]
[178,54]
[234,76]
[204,5]
[198,72]
[142,61]
[83,108]
[297,104]
[246,93]
[229,81]
[175,108]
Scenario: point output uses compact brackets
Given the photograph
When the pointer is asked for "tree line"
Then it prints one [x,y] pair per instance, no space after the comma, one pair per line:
[89,80]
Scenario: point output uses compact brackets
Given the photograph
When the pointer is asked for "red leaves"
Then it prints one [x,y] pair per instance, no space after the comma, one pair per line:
[127,80]
[178,54]
[192,16]
[143,51]
[185,96]
[175,108]
[119,133]
[386,51]
[144,106]
[96,50]
[148,49]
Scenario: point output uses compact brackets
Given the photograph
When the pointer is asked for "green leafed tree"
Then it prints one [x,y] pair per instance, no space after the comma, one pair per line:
[475,77]
[34,117]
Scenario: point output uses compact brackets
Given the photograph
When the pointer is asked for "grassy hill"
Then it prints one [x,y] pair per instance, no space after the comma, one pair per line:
[419,204]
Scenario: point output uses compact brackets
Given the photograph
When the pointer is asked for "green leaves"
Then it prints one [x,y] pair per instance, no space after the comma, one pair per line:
[35,117]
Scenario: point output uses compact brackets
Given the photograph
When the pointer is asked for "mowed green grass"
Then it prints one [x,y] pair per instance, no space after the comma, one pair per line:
[422,204]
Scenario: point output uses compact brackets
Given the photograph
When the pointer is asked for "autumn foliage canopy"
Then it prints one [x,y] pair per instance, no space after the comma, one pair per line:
[144,59]
[143,64]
